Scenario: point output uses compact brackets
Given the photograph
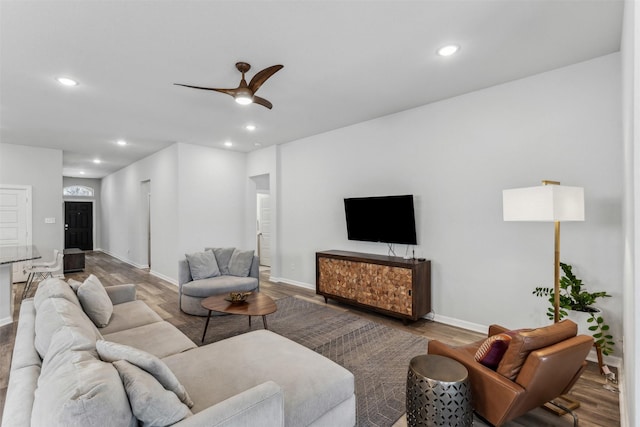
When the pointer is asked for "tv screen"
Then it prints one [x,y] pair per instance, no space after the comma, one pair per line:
[388,219]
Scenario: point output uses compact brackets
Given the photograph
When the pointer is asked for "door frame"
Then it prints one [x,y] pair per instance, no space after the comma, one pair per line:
[93,215]
[29,213]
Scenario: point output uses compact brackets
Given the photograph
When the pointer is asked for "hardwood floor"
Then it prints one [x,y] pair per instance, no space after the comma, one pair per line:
[599,407]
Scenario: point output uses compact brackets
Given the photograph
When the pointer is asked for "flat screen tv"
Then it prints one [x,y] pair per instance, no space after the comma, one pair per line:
[388,219]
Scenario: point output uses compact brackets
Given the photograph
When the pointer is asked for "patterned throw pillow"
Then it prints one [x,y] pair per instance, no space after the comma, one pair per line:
[492,349]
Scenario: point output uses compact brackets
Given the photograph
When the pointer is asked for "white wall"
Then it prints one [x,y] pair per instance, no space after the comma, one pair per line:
[123,214]
[212,194]
[456,157]
[630,49]
[42,169]
[97,220]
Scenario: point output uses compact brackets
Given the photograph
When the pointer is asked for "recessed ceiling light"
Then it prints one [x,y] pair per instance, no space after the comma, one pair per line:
[257,144]
[121,142]
[67,81]
[448,50]
[228,144]
[97,161]
[250,128]
[81,172]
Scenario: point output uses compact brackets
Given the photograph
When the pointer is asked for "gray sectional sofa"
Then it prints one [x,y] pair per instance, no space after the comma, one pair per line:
[222,281]
[60,375]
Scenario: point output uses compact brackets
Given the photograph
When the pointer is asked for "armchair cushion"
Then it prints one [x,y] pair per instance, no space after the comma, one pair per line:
[223,256]
[203,265]
[525,341]
[240,263]
[492,350]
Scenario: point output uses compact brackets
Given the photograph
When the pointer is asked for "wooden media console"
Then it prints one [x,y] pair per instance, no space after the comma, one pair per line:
[391,285]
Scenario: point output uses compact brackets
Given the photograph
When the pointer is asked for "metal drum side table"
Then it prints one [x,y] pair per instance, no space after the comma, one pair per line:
[438,392]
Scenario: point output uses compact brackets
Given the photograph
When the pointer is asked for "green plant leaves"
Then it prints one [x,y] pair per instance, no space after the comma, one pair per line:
[574,296]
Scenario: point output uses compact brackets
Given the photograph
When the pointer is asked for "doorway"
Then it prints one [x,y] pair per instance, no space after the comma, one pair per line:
[78,225]
[145,204]
[264,229]
[15,221]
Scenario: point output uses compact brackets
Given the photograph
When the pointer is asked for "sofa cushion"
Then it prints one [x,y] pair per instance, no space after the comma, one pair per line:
[95,301]
[130,315]
[74,284]
[161,339]
[68,344]
[54,288]
[202,265]
[240,263]
[55,313]
[223,256]
[111,352]
[525,341]
[492,350]
[312,384]
[87,392]
[151,403]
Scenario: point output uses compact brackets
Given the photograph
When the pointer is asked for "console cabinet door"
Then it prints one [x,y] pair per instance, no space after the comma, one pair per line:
[386,287]
[338,277]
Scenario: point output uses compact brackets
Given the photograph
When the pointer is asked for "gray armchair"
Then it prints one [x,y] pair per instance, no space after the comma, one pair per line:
[192,292]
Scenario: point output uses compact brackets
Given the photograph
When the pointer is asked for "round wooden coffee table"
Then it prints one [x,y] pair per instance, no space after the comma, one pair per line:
[257,304]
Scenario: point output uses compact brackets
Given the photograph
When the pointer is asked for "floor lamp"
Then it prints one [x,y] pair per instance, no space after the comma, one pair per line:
[550,202]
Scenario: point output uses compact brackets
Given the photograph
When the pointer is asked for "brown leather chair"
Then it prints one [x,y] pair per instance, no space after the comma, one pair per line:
[539,365]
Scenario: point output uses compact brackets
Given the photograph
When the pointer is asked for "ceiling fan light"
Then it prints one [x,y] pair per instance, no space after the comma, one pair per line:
[244,96]
[244,100]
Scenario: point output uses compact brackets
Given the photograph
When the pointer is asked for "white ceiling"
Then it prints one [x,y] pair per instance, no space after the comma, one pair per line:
[344,62]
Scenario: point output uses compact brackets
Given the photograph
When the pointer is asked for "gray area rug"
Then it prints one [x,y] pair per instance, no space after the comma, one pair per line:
[377,355]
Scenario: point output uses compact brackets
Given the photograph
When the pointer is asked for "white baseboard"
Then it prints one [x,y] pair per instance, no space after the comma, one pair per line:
[163,277]
[292,282]
[125,260]
[6,321]
[459,323]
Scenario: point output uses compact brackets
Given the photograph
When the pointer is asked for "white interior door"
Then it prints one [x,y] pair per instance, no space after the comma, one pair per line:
[264,227]
[15,221]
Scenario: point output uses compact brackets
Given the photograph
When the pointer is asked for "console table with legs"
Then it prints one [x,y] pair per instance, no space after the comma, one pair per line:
[390,285]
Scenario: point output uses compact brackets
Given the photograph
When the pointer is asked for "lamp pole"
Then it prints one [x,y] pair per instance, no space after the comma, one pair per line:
[556,260]
[556,282]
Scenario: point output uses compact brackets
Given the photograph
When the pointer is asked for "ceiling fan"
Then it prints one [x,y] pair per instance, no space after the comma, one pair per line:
[245,94]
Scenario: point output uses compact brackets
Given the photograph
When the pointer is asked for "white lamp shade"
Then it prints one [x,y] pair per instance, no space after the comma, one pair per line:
[543,203]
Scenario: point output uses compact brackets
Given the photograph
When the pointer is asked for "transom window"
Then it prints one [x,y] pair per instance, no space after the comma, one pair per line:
[77,190]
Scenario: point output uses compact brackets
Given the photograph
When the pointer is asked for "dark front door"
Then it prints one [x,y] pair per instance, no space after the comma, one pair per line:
[78,225]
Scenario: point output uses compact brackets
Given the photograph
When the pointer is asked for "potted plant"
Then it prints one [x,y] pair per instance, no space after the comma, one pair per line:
[574,296]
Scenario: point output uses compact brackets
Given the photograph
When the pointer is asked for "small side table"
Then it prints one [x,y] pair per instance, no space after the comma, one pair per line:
[438,392]
[73,260]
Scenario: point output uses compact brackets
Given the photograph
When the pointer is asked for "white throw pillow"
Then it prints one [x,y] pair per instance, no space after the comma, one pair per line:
[111,352]
[150,402]
[95,301]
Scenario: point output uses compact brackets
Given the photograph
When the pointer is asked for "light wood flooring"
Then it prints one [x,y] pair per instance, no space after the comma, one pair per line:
[599,407]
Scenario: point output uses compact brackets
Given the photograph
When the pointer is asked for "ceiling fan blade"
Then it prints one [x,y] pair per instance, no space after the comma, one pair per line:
[262,77]
[262,101]
[231,92]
